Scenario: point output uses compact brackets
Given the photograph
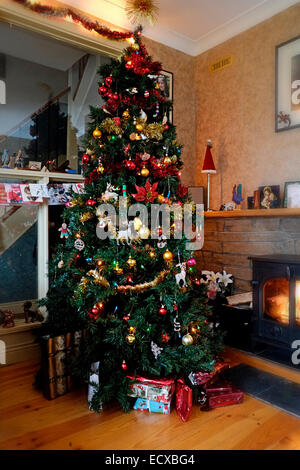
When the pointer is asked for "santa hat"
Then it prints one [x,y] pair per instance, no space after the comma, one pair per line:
[208,165]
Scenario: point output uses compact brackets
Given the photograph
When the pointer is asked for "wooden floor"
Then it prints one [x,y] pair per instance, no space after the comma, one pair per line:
[28,421]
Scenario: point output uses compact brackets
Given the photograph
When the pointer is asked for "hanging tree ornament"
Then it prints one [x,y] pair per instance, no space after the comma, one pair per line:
[177,326]
[97,134]
[79,244]
[156,349]
[131,262]
[187,340]
[64,231]
[124,365]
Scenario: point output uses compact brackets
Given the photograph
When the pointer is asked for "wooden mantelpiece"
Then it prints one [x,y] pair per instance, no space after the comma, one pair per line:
[254,213]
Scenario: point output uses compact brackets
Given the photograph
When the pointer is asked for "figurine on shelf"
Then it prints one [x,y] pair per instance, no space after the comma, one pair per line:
[29,313]
[5,159]
[237,195]
[8,320]
[18,160]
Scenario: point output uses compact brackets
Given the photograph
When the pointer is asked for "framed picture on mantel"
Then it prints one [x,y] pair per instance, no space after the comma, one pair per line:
[287,112]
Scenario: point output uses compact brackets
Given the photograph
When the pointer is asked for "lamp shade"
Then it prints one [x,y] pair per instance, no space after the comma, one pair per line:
[208,165]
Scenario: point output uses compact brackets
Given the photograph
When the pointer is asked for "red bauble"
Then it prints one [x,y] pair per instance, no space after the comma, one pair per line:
[130,165]
[91,202]
[85,159]
[110,95]
[162,311]
[117,121]
[115,96]
[108,81]
[167,127]
[129,65]
[160,231]
[126,318]
[191,262]
[165,338]
[124,365]
[95,311]
[102,90]
[146,94]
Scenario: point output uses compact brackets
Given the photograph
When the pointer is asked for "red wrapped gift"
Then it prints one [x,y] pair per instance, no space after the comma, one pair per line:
[218,399]
[159,390]
[203,377]
[219,386]
[184,400]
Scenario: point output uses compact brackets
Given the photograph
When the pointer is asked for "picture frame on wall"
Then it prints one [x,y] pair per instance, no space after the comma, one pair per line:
[269,197]
[287,102]
[292,194]
[164,83]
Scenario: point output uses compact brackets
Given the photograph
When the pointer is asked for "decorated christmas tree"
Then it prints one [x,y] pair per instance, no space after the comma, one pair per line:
[123,279]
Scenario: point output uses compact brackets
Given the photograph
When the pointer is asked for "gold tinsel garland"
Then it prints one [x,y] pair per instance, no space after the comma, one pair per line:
[138,10]
[109,126]
[154,131]
[147,285]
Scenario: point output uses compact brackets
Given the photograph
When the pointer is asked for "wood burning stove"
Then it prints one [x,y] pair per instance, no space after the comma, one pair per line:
[276,300]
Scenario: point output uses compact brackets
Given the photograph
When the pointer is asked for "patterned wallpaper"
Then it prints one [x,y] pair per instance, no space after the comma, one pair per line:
[236,108]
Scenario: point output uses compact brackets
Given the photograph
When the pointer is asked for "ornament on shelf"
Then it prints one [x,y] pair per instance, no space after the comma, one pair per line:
[156,349]
[180,277]
[187,340]
[79,244]
[124,365]
[97,134]
[64,231]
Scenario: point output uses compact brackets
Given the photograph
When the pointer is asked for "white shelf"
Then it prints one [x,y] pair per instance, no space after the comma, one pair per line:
[41,175]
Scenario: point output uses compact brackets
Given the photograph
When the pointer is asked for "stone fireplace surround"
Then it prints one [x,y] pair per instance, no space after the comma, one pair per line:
[230,238]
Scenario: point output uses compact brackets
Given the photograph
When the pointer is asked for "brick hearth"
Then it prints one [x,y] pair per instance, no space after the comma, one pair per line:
[230,241]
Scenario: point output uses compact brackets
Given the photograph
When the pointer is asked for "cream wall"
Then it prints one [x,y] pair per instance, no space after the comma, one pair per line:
[183,68]
[236,106]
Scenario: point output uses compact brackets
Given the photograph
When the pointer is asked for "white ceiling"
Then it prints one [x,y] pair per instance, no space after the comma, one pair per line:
[191,26]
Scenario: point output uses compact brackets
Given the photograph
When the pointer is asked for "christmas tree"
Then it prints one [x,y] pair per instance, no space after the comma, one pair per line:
[127,283]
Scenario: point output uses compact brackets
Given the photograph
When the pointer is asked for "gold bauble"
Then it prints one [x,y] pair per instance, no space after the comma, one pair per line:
[168,256]
[139,127]
[160,198]
[137,223]
[187,340]
[126,114]
[151,254]
[133,136]
[131,262]
[138,137]
[144,232]
[144,172]
[135,46]
[130,339]
[167,161]
[100,169]
[174,158]
[97,133]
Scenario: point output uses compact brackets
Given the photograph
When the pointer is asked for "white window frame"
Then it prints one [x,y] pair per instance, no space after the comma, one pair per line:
[43,216]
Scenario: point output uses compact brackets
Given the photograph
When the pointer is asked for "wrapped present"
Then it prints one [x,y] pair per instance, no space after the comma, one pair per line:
[93,382]
[203,377]
[184,400]
[219,386]
[142,404]
[223,398]
[56,356]
[159,390]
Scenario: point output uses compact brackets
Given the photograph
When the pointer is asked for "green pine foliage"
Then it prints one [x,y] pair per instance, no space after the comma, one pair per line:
[85,292]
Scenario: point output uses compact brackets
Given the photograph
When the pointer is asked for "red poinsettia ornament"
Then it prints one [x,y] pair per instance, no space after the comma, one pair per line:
[147,194]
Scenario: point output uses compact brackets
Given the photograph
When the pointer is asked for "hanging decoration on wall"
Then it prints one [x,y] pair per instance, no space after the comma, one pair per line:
[70,15]
[139,10]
